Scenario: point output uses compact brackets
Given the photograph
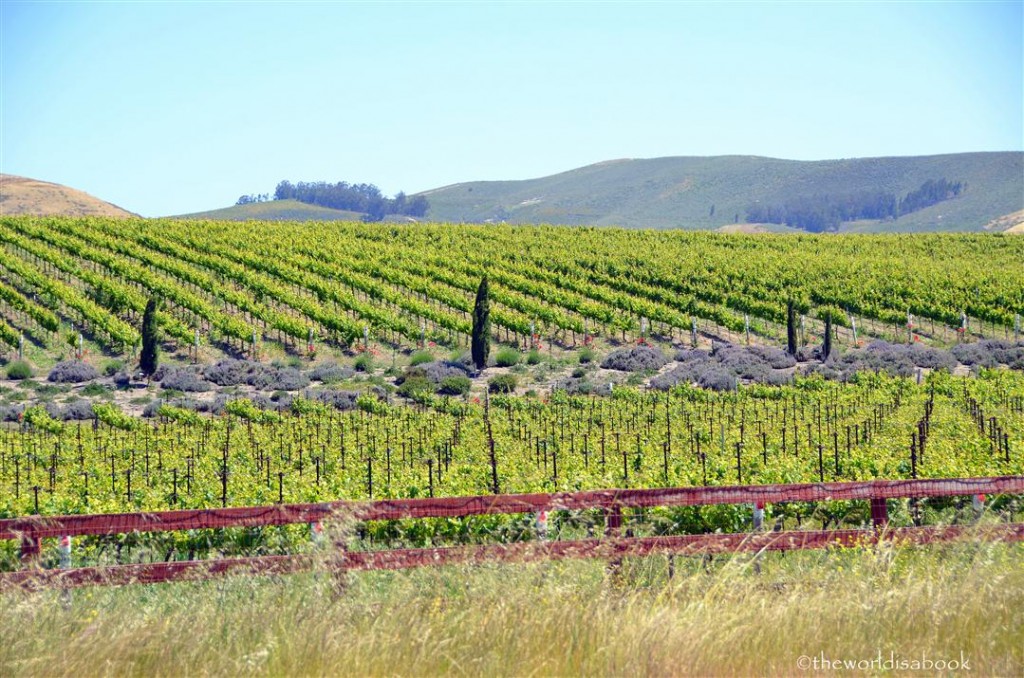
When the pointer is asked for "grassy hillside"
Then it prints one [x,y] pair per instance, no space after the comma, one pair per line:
[274,210]
[680,192]
[21,195]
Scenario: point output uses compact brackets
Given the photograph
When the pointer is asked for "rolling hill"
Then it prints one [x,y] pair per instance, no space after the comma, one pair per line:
[21,195]
[712,192]
[274,210]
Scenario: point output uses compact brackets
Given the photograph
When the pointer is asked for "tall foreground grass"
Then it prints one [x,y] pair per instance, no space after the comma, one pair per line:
[565,618]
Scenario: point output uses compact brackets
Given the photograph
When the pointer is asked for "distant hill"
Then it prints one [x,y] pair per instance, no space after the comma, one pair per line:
[715,192]
[275,210]
[21,195]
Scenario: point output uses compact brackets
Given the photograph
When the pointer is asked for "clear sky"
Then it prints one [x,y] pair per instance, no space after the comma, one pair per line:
[167,108]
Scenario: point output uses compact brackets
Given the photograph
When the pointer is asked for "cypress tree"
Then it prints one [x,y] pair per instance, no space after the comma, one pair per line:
[481,345]
[791,327]
[826,350]
[150,350]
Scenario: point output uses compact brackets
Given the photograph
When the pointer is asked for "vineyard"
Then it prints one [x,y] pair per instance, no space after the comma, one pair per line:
[814,431]
[235,285]
[877,427]
[345,290]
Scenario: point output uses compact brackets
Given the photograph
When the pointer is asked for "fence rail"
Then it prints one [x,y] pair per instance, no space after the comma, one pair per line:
[450,507]
[32,529]
[607,549]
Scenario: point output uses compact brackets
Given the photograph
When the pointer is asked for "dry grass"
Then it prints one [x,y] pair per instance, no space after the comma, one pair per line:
[550,619]
[1010,223]
[20,195]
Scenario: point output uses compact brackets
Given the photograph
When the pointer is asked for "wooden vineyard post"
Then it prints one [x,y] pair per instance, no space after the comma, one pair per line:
[758,525]
[613,528]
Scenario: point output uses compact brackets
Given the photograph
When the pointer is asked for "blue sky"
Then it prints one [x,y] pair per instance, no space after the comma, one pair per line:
[167,108]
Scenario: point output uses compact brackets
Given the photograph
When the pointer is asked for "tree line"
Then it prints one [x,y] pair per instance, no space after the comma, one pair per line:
[826,212]
[365,198]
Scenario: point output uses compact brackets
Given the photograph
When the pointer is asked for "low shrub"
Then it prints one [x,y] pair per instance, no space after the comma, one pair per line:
[183,379]
[330,373]
[503,383]
[506,357]
[717,378]
[636,359]
[439,370]
[980,354]
[72,372]
[95,390]
[284,379]
[364,363]
[455,385]
[77,410]
[112,367]
[586,355]
[18,370]
[11,412]
[420,357]
[776,358]
[414,385]
[339,400]
[233,372]
[534,357]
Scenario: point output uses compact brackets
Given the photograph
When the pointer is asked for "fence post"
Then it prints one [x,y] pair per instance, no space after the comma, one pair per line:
[757,525]
[65,551]
[612,528]
[879,512]
[978,504]
[64,547]
[31,548]
[613,521]
[316,532]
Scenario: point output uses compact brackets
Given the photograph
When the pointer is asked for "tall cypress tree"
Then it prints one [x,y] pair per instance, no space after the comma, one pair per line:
[481,326]
[791,327]
[827,348]
[150,350]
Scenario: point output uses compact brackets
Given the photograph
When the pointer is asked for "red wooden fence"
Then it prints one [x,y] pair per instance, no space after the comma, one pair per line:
[449,507]
[30,530]
[608,549]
